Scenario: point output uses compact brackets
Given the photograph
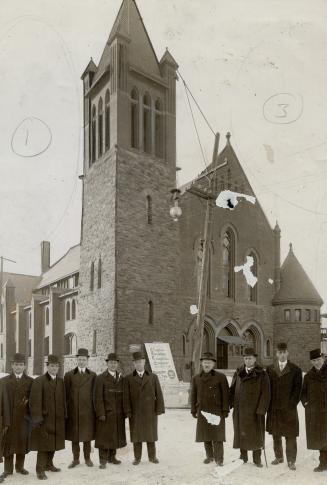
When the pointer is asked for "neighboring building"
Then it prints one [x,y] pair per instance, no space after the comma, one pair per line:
[135,274]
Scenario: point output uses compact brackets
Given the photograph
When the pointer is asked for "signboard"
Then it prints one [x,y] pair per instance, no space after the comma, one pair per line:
[161,362]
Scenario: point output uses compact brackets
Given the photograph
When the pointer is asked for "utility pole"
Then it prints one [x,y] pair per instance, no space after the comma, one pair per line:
[2,259]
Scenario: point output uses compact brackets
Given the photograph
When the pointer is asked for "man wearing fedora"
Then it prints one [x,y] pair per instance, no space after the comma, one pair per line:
[110,426]
[282,418]
[80,423]
[143,403]
[210,394]
[314,400]
[16,394]
[249,396]
[48,413]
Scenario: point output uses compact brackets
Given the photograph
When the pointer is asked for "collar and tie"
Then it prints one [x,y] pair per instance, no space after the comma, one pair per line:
[81,371]
[282,366]
[18,376]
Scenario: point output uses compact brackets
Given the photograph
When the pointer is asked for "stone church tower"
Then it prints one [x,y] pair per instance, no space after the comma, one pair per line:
[129,244]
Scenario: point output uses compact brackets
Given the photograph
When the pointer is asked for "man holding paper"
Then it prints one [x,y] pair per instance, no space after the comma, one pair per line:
[209,405]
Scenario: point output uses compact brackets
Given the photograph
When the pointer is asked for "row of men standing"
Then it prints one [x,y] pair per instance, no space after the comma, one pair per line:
[255,392]
[40,414]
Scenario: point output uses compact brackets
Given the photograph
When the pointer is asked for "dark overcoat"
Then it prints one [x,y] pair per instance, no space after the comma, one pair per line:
[285,388]
[249,396]
[314,399]
[210,393]
[143,402]
[16,394]
[110,434]
[80,423]
[48,413]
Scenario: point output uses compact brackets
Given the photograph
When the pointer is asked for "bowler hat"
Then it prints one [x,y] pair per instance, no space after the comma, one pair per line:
[82,353]
[208,356]
[249,351]
[53,359]
[112,356]
[315,354]
[138,356]
[282,346]
[19,358]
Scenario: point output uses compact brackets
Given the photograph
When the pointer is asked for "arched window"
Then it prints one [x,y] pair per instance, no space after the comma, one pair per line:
[92,276]
[99,273]
[70,344]
[93,135]
[68,310]
[252,291]
[206,341]
[147,123]
[150,313]
[149,209]
[228,263]
[159,137]
[73,309]
[47,315]
[134,118]
[107,120]
[268,348]
[100,127]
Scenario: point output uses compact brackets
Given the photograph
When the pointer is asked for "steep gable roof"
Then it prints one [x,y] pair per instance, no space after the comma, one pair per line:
[64,267]
[296,286]
[23,284]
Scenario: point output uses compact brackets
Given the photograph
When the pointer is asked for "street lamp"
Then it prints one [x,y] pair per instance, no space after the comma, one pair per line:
[175,210]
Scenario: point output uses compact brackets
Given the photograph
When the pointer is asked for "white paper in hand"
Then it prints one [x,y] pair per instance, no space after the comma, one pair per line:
[211,418]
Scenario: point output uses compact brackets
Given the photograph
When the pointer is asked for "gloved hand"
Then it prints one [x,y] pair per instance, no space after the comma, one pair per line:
[194,415]
[102,418]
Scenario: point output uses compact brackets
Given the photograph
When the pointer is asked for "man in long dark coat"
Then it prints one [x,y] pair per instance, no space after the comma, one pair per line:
[282,419]
[249,396]
[143,402]
[110,428]
[48,413]
[210,394]
[16,392]
[314,399]
[80,424]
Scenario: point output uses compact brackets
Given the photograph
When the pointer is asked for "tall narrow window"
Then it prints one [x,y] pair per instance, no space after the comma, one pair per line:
[268,348]
[47,315]
[228,264]
[134,119]
[107,120]
[297,314]
[307,315]
[92,276]
[150,313]
[30,348]
[159,137]
[147,123]
[94,342]
[30,319]
[93,135]
[99,273]
[100,127]
[287,315]
[1,351]
[46,346]
[184,345]
[68,310]
[149,209]
[252,290]
[74,310]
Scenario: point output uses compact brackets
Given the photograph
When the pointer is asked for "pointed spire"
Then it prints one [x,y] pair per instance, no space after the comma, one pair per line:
[277,228]
[167,58]
[291,248]
[228,135]
[91,67]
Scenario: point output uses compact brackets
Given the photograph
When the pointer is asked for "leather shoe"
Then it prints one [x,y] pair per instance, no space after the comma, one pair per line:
[207,461]
[114,461]
[52,468]
[320,468]
[89,462]
[5,475]
[277,461]
[22,471]
[102,466]
[219,463]
[41,476]
[136,462]
[258,464]
[154,460]
[291,466]
[73,464]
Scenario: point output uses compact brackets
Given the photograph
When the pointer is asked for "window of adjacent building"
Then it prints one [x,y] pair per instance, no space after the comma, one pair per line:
[99,273]
[228,264]
[30,348]
[268,348]
[298,315]
[316,316]
[1,350]
[253,291]
[150,313]
[30,319]
[159,129]
[76,278]
[134,118]
[70,344]
[149,209]
[46,346]
[73,309]
[107,121]
[100,127]
[92,276]
[287,315]
[307,315]
[93,135]
[147,123]
[67,310]
[94,342]
[47,315]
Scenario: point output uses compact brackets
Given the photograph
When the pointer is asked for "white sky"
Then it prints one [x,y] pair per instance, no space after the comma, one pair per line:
[234,56]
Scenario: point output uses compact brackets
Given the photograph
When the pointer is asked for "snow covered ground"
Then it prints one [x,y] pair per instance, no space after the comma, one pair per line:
[181,462]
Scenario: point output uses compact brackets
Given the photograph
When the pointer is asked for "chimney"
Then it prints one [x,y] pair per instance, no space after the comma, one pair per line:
[45,256]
